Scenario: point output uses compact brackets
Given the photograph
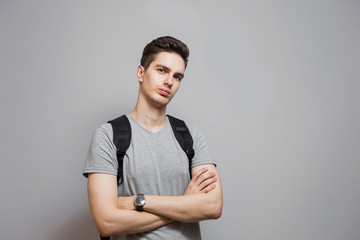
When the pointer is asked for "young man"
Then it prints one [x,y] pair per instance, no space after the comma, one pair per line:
[155,168]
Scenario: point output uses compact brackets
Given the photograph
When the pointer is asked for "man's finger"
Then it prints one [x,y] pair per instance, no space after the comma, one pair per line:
[208,182]
[208,188]
[203,177]
[198,173]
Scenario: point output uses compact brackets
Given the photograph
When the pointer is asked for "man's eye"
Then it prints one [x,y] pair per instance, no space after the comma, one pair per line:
[161,70]
[177,77]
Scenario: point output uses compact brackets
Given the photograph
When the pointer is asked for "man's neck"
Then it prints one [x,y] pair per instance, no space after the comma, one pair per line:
[153,119]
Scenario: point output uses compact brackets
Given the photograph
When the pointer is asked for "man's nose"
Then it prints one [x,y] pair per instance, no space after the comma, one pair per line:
[169,80]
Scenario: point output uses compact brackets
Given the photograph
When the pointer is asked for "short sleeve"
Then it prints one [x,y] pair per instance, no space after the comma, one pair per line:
[101,157]
[201,148]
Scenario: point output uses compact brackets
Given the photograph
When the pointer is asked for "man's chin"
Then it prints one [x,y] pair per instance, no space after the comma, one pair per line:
[162,102]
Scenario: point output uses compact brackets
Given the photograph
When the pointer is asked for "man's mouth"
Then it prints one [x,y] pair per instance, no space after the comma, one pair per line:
[164,92]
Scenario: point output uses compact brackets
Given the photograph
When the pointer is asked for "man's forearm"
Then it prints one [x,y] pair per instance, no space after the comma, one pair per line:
[109,218]
[189,208]
[185,208]
[131,221]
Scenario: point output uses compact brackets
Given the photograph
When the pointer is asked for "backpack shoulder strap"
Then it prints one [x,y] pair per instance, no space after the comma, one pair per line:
[121,138]
[183,136]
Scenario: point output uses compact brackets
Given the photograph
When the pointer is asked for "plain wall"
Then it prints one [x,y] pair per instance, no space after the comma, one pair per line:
[274,85]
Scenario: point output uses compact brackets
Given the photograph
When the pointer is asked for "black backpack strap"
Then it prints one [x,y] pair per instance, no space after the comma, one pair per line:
[121,138]
[184,138]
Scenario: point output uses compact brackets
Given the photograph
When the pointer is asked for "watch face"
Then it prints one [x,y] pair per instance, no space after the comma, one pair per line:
[139,200]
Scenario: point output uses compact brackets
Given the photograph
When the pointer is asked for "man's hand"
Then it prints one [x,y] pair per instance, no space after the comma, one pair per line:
[202,181]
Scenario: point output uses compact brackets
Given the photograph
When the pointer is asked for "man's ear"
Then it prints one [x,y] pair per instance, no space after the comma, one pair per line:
[140,73]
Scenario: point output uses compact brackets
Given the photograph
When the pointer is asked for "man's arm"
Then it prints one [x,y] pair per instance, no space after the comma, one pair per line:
[108,217]
[189,207]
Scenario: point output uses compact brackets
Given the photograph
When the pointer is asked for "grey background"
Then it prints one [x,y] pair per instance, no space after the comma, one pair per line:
[273,84]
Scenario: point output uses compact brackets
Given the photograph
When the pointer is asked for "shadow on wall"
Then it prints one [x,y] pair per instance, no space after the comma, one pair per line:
[79,226]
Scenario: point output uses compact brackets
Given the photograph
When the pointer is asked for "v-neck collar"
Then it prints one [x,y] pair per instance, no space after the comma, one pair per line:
[148,131]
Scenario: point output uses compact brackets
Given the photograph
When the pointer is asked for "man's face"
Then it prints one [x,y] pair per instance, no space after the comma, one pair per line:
[160,82]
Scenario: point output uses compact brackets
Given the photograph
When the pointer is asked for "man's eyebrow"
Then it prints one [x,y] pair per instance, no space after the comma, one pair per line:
[167,69]
[163,66]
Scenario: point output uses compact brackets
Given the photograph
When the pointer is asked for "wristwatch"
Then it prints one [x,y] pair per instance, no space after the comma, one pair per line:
[139,202]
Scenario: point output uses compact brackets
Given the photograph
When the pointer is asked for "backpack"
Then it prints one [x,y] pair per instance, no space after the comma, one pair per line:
[122,138]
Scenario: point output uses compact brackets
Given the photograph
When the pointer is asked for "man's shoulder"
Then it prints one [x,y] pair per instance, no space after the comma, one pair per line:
[104,128]
[103,132]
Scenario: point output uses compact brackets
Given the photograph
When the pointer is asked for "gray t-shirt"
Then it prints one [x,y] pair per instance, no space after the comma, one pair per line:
[154,164]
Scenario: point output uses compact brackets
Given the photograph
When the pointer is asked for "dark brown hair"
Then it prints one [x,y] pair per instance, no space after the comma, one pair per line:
[163,44]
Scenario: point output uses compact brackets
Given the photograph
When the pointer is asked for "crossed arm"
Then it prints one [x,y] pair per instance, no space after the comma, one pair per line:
[115,215]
